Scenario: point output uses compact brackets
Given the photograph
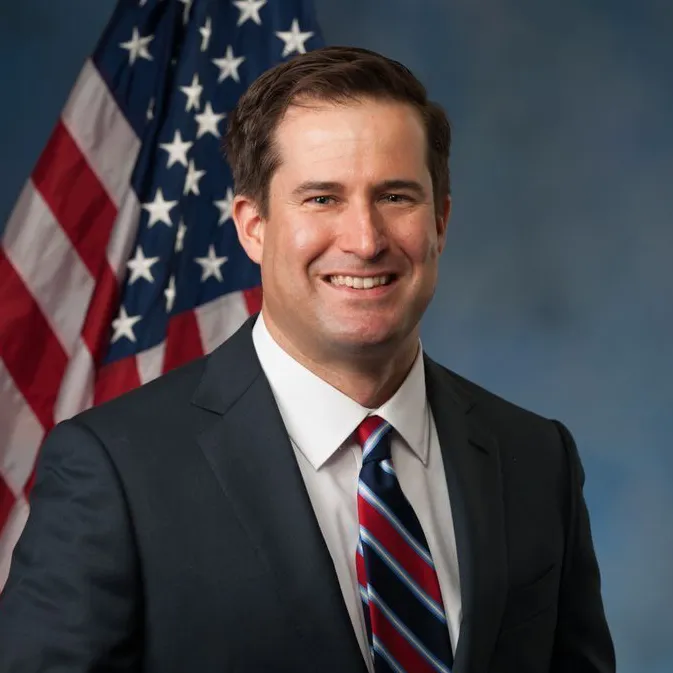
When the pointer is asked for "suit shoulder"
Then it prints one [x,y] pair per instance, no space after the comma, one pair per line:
[505,418]
[150,403]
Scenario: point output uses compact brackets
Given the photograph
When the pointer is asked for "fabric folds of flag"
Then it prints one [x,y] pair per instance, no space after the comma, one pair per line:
[120,260]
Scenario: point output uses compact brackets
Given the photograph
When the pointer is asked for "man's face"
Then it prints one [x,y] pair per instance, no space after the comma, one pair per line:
[349,249]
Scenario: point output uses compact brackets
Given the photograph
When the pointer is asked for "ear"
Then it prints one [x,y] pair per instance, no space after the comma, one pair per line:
[442,222]
[249,226]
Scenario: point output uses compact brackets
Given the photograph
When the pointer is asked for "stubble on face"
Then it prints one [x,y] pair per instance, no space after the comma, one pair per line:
[352,197]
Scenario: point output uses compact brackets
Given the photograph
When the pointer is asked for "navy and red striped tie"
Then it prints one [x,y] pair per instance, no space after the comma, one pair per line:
[404,613]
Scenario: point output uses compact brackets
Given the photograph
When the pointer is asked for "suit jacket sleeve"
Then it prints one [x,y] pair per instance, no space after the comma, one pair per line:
[583,643]
[70,603]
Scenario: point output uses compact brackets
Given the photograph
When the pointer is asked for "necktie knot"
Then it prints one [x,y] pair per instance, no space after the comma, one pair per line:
[373,436]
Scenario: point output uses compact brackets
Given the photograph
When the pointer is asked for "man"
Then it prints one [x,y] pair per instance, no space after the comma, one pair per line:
[317,495]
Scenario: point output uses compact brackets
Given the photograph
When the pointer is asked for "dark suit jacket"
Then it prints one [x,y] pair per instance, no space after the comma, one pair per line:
[171,531]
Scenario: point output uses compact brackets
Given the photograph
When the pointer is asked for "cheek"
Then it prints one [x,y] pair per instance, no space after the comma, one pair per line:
[305,239]
[296,242]
[420,246]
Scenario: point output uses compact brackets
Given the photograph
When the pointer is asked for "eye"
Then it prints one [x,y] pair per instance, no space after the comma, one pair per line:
[396,198]
[322,200]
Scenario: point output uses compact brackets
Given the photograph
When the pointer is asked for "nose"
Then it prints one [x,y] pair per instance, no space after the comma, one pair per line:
[363,231]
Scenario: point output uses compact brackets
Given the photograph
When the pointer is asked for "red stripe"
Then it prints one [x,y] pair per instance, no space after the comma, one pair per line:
[183,341]
[7,500]
[399,549]
[398,646]
[103,306]
[253,299]
[76,197]
[32,354]
[115,379]
[361,569]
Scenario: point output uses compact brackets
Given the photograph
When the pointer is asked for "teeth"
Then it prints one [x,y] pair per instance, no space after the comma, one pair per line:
[360,283]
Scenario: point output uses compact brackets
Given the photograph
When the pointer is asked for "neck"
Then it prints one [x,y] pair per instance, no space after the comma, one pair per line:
[370,379]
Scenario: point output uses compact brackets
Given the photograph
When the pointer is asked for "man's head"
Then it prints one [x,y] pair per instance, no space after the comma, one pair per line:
[341,171]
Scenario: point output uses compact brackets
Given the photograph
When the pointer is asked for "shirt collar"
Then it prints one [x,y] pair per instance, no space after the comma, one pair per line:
[319,418]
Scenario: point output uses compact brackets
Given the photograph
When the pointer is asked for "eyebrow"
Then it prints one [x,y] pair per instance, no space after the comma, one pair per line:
[310,186]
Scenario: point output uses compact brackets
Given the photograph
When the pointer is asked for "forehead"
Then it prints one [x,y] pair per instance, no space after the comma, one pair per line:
[355,136]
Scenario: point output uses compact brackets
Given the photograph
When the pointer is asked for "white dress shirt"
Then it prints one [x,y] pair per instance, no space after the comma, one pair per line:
[320,421]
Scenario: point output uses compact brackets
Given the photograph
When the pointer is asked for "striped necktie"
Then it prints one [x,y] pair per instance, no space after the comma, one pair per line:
[404,613]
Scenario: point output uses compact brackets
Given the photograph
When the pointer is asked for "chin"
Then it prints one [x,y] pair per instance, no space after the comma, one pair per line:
[360,338]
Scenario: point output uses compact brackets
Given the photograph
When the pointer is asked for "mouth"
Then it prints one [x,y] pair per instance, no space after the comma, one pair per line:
[360,283]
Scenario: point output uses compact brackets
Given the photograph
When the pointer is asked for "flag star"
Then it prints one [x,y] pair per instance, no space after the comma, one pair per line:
[193,93]
[208,122]
[150,110]
[225,205]
[159,209]
[169,293]
[206,33]
[141,266]
[180,238]
[229,65]
[177,150]
[294,39]
[137,47]
[192,179]
[123,326]
[249,9]
[211,265]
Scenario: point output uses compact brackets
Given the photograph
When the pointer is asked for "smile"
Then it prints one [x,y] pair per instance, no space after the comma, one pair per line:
[359,282]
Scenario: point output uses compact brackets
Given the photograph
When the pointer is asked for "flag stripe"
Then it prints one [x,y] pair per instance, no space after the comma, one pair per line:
[76,197]
[123,236]
[106,138]
[7,502]
[151,362]
[18,427]
[103,306]
[10,530]
[49,266]
[33,356]
[253,299]
[220,318]
[76,391]
[183,341]
[116,378]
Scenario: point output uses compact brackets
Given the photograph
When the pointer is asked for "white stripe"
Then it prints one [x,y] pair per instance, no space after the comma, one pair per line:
[378,504]
[373,439]
[220,318]
[363,594]
[150,362]
[408,635]
[21,434]
[77,385]
[9,536]
[391,661]
[386,466]
[402,574]
[102,132]
[49,265]
[123,235]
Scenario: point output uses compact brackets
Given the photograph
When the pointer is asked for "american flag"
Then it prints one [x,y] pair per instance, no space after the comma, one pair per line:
[120,260]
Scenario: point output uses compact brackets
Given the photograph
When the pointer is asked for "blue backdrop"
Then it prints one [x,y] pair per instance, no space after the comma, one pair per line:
[556,288]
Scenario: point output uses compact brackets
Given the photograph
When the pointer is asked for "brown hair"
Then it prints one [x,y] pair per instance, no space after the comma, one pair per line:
[333,74]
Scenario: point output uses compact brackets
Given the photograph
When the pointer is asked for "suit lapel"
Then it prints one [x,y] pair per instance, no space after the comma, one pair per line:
[253,460]
[472,466]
